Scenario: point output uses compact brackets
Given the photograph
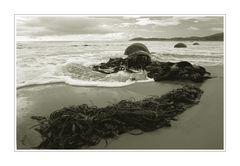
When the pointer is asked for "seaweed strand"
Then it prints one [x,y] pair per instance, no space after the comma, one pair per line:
[82,126]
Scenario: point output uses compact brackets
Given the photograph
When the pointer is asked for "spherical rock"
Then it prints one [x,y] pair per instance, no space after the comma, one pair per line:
[196,44]
[180,45]
[135,47]
[184,64]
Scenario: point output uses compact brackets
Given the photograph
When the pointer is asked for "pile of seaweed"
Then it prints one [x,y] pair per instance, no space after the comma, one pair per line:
[82,126]
[139,58]
[183,70]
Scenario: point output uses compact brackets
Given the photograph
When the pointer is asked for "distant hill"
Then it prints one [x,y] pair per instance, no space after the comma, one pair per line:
[214,37]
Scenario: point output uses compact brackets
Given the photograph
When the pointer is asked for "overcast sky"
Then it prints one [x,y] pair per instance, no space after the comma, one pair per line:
[114,27]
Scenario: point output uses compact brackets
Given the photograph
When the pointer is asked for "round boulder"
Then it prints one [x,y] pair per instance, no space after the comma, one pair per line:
[184,64]
[196,44]
[135,47]
[180,45]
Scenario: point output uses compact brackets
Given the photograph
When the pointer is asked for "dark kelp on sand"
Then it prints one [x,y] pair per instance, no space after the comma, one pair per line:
[139,58]
[82,126]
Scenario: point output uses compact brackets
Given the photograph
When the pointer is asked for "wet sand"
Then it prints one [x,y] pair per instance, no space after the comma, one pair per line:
[200,127]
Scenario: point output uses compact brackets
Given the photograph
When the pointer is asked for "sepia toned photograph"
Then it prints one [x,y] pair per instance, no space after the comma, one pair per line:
[119,82]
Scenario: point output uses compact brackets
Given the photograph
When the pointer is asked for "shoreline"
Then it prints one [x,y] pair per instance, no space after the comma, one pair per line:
[102,86]
[193,124]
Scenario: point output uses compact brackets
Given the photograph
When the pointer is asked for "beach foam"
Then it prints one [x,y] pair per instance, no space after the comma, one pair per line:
[70,81]
[79,75]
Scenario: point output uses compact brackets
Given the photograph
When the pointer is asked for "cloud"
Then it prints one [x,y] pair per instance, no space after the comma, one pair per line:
[171,21]
[123,25]
[191,28]
[216,29]
[114,27]
[159,22]
[197,18]
[47,26]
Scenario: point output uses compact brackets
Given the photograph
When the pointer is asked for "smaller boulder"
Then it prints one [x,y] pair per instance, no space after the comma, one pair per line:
[180,45]
[196,44]
[184,64]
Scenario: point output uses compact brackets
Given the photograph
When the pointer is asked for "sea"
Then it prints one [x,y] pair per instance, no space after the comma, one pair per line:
[70,62]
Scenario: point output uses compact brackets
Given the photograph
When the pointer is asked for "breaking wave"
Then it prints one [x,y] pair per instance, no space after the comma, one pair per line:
[79,75]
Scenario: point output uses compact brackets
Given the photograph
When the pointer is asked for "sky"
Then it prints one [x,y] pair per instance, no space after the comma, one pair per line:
[111,28]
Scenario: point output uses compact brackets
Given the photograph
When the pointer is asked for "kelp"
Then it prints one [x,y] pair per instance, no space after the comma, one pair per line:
[139,58]
[82,126]
[181,71]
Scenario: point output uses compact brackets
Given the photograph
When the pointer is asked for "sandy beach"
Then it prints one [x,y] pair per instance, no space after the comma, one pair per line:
[200,127]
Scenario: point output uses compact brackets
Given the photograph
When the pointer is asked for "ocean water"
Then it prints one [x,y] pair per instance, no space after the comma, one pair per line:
[71,62]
